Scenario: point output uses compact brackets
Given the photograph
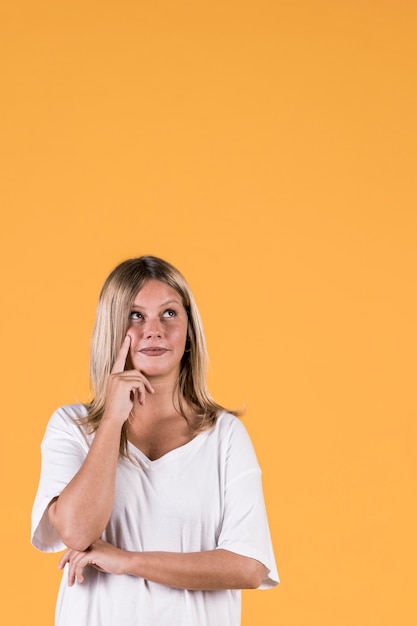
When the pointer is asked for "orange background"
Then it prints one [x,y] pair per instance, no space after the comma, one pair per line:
[266,148]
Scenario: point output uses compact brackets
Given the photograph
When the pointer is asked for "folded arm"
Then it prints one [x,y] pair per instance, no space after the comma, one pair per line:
[213,569]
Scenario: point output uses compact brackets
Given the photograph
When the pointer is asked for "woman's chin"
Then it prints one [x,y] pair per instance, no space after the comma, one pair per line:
[155,372]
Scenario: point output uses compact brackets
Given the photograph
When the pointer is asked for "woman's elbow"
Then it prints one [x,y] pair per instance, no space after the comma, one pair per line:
[69,535]
[255,574]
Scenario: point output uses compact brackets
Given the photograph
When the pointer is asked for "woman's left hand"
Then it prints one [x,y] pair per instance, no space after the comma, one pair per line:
[101,555]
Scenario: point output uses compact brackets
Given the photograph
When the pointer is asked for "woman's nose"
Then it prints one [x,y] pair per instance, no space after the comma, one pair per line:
[153,329]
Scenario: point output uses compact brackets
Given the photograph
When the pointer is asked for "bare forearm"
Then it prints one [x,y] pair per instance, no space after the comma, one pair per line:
[83,509]
[214,569]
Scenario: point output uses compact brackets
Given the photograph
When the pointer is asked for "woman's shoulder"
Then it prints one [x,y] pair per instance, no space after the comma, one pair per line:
[226,420]
[231,427]
[235,444]
[70,412]
[66,418]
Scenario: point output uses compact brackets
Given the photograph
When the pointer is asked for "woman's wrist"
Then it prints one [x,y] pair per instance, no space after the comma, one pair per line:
[132,563]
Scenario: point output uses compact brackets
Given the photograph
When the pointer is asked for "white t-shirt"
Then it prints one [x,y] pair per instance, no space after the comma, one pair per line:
[204,495]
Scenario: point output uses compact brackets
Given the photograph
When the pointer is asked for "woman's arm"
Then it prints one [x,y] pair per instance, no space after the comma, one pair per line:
[81,512]
[214,569]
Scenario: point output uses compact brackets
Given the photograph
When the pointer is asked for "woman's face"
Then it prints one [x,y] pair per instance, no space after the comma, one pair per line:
[157,330]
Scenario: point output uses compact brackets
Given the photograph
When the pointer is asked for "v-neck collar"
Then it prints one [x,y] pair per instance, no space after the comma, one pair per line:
[168,456]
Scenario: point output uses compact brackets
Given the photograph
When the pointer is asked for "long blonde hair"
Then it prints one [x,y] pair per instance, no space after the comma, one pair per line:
[112,320]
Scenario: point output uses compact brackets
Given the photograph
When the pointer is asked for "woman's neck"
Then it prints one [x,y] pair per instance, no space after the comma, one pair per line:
[158,406]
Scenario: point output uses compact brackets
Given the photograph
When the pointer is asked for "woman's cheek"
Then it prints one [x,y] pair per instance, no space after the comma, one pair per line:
[132,332]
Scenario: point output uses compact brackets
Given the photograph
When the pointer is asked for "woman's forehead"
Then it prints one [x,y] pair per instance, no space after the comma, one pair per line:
[155,291]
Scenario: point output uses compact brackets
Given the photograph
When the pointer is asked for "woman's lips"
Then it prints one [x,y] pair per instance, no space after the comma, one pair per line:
[153,351]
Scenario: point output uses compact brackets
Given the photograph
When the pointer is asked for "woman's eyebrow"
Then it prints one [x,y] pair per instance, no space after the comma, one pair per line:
[141,306]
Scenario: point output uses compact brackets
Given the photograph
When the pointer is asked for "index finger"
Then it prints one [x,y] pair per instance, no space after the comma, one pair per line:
[120,362]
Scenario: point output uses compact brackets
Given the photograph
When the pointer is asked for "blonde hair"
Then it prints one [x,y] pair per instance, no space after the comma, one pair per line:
[112,321]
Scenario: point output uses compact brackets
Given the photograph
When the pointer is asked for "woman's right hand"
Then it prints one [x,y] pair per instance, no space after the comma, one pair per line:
[123,386]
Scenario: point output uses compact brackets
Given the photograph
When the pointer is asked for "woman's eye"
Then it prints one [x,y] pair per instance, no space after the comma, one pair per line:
[170,313]
[135,315]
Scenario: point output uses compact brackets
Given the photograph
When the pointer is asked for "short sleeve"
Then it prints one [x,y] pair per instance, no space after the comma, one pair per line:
[245,528]
[64,449]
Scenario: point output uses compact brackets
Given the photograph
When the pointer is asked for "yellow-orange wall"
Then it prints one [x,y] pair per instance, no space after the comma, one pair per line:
[268,149]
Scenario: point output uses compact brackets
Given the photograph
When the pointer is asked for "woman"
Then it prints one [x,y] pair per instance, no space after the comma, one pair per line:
[152,489]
